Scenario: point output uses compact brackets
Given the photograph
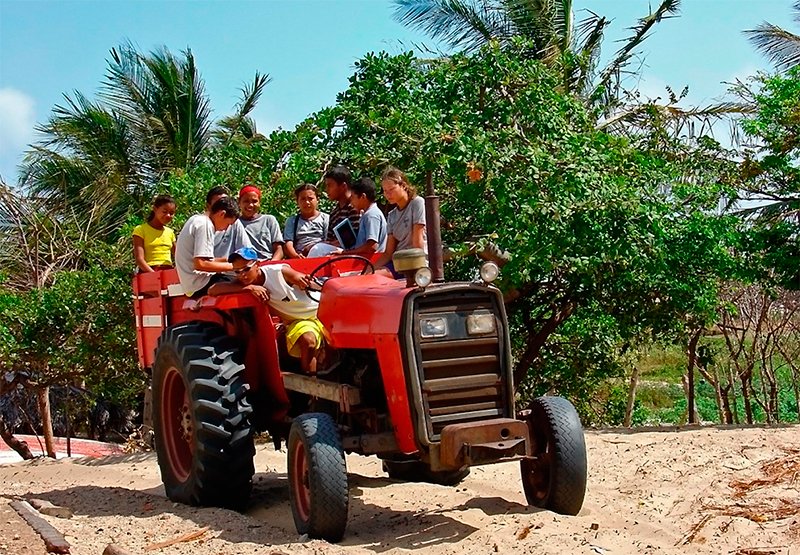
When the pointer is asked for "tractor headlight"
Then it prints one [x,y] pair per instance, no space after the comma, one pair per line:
[481,323]
[489,272]
[434,326]
[423,277]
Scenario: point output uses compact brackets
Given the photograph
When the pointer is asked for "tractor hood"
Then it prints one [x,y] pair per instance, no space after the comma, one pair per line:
[358,309]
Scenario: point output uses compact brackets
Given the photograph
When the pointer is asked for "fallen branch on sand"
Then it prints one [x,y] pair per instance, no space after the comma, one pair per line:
[690,535]
[782,471]
[184,538]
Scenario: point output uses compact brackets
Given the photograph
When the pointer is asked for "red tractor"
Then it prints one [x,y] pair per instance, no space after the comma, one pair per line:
[418,373]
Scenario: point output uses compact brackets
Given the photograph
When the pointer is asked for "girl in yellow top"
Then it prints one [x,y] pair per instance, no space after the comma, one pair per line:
[153,241]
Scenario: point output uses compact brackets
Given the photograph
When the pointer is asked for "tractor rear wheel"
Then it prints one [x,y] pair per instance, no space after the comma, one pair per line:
[556,478]
[318,477]
[419,471]
[201,417]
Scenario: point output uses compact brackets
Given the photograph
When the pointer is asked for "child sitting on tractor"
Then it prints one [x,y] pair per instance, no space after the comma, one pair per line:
[284,289]
[371,236]
[154,241]
[194,252]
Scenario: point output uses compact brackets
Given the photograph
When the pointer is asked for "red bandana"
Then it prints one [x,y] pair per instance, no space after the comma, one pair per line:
[250,189]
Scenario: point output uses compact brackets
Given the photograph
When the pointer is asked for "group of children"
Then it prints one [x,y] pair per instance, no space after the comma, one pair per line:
[217,251]
[228,226]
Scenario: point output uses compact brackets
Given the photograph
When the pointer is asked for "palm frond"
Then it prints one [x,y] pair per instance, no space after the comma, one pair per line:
[771,211]
[181,111]
[240,123]
[467,24]
[691,122]
[547,24]
[781,47]
[163,97]
[86,160]
[667,9]
[588,41]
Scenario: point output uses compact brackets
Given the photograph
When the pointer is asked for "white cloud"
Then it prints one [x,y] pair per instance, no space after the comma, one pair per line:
[18,120]
[263,116]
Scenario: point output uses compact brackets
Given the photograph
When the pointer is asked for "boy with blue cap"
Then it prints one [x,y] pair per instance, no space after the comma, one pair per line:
[284,289]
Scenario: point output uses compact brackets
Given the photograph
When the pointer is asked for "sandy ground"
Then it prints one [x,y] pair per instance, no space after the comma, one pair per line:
[709,490]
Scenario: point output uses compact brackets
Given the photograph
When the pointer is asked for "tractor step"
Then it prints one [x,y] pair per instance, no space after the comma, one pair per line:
[346,395]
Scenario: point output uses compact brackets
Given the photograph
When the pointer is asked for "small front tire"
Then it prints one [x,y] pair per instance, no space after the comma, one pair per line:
[556,478]
[318,477]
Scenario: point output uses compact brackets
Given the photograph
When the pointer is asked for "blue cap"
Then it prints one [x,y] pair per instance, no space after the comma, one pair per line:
[247,253]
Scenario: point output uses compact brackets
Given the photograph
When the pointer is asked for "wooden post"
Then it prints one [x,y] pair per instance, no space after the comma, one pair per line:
[631,397]
[692,352]
[43,398]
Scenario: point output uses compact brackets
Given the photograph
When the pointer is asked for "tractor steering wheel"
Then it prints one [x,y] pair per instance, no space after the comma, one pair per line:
[319,281]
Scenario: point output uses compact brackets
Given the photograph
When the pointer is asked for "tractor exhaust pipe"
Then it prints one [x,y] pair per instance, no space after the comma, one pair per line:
[433,230]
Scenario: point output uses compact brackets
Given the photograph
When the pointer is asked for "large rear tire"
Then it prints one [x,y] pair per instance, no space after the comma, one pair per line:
[556,478]
[419,471]
[201,417]
[318,477]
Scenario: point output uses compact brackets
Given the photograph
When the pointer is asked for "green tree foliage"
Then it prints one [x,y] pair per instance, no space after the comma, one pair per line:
[597,225]
[769,175]
[78,331]
[776,124]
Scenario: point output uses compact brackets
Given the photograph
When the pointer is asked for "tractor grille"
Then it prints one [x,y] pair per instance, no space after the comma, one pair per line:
[461,376]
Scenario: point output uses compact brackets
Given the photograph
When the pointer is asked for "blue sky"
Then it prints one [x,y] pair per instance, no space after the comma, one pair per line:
[308,47]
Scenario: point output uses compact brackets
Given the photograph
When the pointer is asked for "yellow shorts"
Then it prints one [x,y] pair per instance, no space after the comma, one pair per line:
[297,329]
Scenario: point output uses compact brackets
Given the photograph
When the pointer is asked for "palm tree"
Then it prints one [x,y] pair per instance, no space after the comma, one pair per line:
[780,46]
[152,117]
[88,158]
[469,24]
[547,24]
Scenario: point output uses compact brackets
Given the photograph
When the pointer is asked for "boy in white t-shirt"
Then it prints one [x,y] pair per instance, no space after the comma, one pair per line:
[284,289]
[194,250]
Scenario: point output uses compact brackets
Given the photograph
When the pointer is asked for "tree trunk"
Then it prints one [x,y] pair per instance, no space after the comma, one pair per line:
[691,416]
[796,389]
[19,446]
[718,394]
[631,397]
[748,404]
[537,340]
[692,352]
[732,390]
[43,397]
[726,404]
[773,401]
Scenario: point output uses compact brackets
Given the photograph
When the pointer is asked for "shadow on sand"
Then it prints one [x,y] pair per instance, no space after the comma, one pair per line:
[268,518]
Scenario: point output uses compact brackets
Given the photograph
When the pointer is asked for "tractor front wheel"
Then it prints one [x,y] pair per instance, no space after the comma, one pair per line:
[317,477]
[201,417]
[556,478]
